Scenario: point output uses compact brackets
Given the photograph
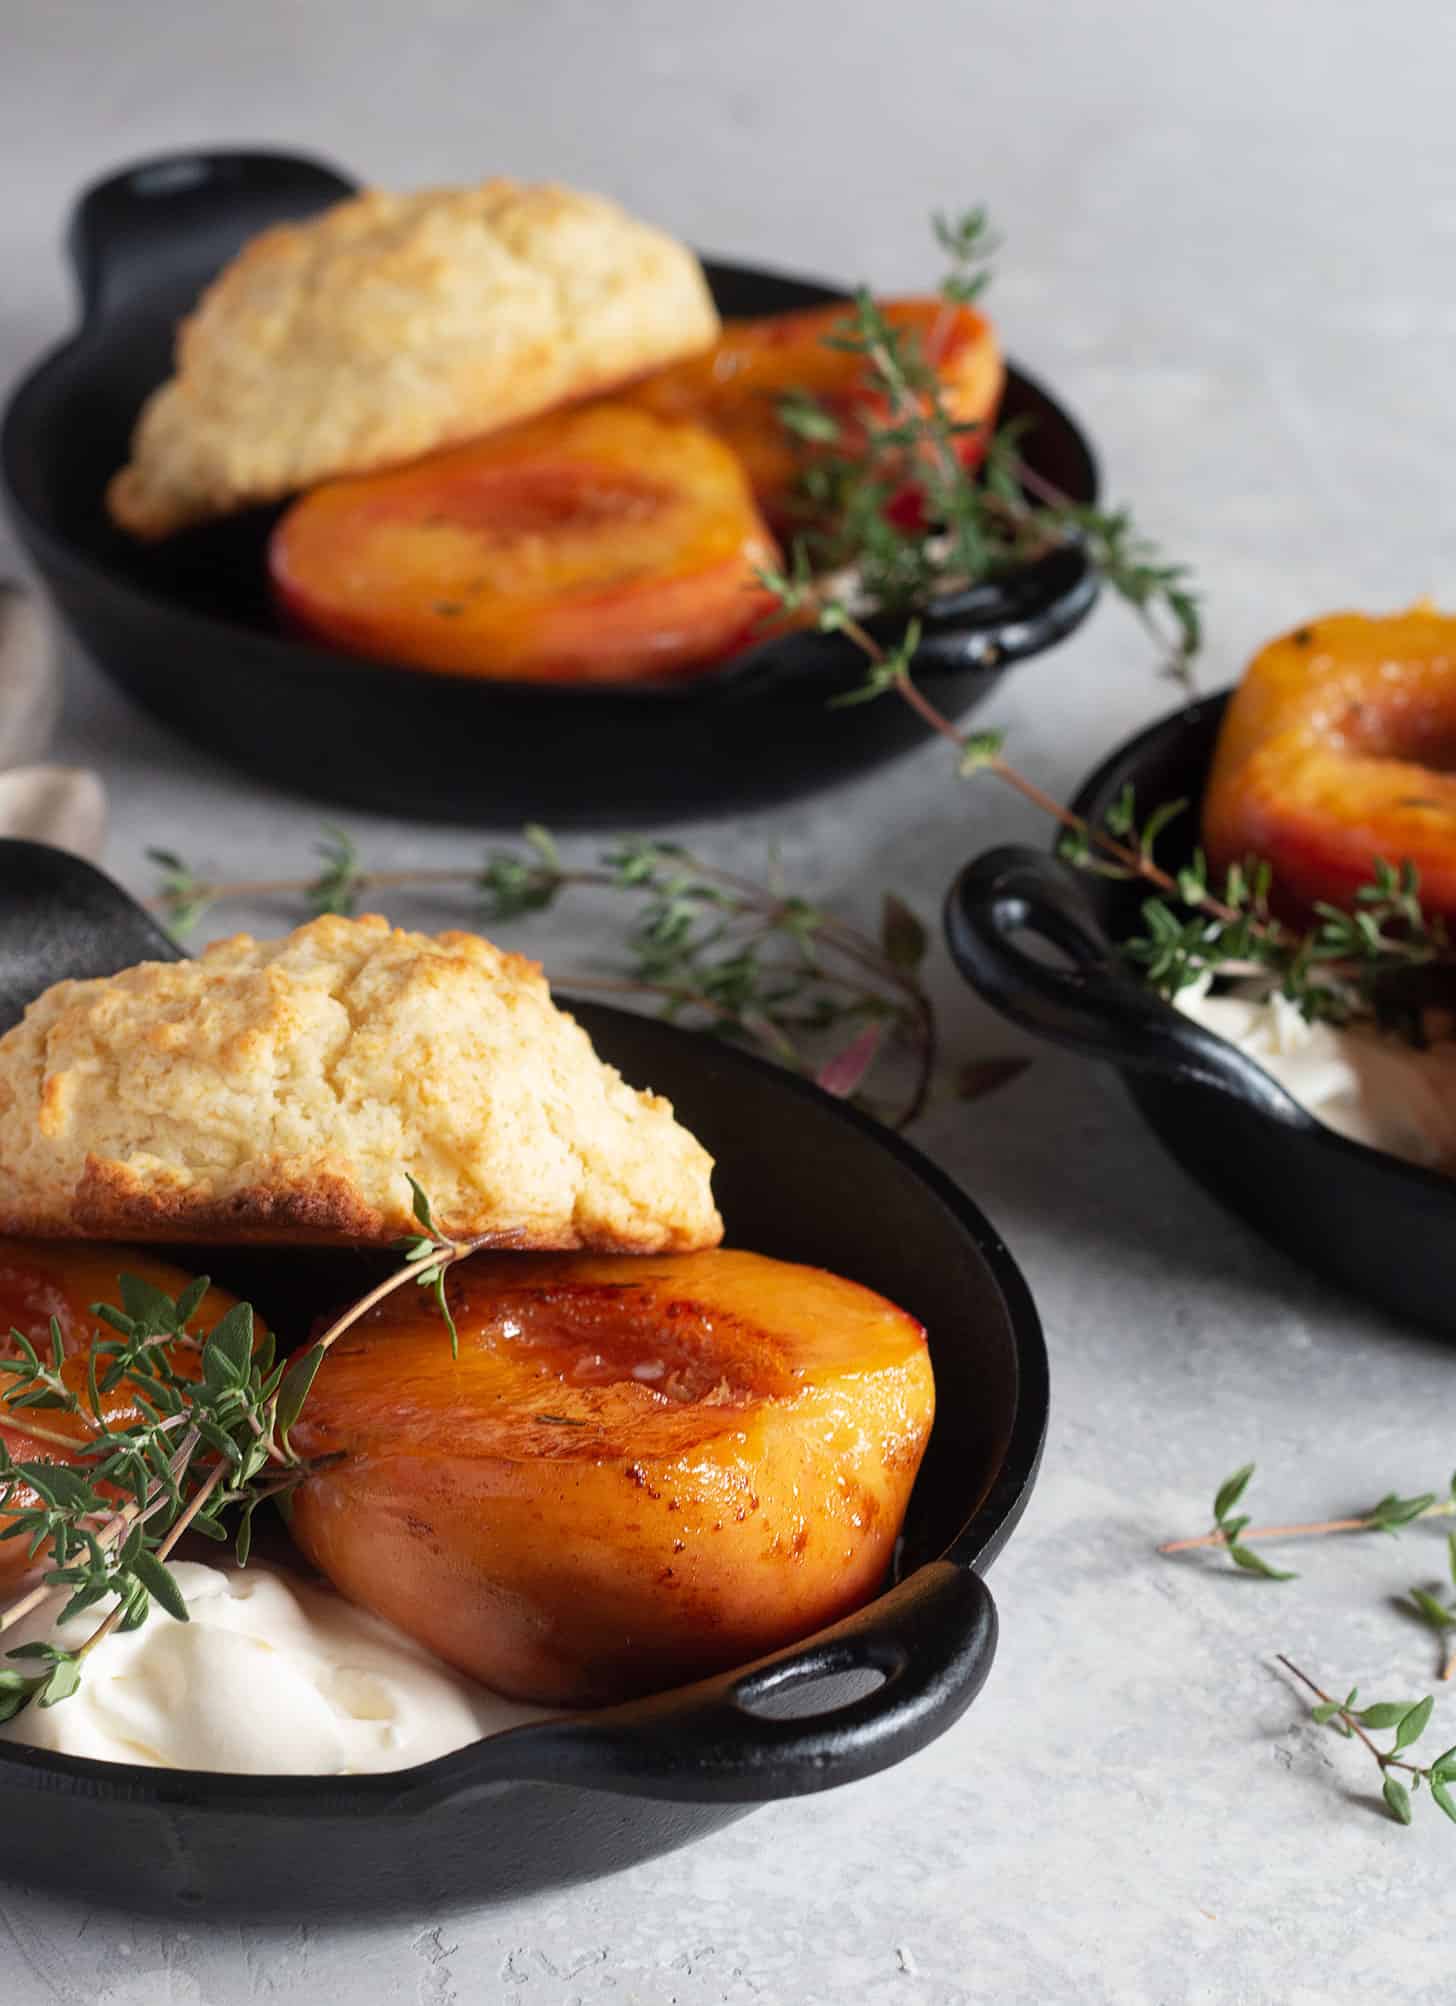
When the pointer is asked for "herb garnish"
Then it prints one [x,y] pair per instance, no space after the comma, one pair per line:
[1231,1532]
[1389,1515]
[214,1434]
[754,960]
[973,523]
[425,1252]
[757,962]
[1409,1719]
[1343,965]
[1382,960]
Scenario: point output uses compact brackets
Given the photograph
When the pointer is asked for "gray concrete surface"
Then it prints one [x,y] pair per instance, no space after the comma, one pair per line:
[1230,235]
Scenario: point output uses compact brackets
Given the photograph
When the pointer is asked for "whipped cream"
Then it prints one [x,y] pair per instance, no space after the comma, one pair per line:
[1374,1088]
[269,1676]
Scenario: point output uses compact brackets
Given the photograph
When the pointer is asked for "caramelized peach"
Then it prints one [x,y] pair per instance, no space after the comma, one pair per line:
[595,545]
[41,1280]
[735,388]
[638,1472]
[1339,747]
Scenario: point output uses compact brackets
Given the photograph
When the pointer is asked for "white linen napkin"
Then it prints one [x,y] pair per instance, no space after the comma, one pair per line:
[64,805]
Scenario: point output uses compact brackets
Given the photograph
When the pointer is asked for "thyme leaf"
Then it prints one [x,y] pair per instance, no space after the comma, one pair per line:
[1409,1719]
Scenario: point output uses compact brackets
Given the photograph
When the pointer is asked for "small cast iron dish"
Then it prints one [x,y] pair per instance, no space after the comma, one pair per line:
[1360,1217]
[800,1176]
[188,630]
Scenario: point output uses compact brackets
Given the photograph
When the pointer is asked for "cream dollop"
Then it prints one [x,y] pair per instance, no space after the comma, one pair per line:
[269,1676]
[1374,1088]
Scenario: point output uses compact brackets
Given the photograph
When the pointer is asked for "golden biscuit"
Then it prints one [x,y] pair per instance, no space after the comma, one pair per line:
[278,1092]
[393,324]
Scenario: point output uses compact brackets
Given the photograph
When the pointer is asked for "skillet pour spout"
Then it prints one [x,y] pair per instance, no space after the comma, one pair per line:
[800,1176]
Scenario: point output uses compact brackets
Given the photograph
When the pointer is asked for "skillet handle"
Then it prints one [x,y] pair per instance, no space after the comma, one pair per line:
[933,1638]
[1096,1006]
[169,222]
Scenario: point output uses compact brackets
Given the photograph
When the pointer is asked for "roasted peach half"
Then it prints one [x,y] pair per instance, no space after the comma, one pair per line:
[39,1281]
[639,1471]
[1338,748]
[735,388]
[602,544]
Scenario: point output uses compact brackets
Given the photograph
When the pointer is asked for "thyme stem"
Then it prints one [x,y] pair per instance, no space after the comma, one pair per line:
[188,1513]
[107,1536]
[236,891]
[903,682]
[442,1255]
[1351,1720]
[1365,1522]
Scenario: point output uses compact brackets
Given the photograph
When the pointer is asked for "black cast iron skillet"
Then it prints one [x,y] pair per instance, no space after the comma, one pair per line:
[187,629]
[1356,1215]
[799,1176]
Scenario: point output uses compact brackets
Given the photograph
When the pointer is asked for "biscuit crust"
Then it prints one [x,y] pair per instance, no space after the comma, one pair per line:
[393,324]
[278,1091]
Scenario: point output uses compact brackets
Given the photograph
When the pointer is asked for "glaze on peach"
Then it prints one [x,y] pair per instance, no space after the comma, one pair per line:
[641,1470]
[1338,747]
[600,544]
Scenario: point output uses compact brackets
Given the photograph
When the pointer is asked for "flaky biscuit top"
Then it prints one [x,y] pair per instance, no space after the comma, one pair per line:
[390,325]
[282,1090]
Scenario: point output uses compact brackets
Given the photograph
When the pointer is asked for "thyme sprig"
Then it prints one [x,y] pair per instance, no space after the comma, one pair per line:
[1382,958]
[969,244]
[1229,1526]
[111,1516]
[1409,1720]
[1233,1532]
[216,1415]
[969,523]
[756,961]
[427,1253]
[1385,959]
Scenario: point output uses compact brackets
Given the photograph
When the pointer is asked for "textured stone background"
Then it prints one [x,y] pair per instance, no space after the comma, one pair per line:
[1230,237]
